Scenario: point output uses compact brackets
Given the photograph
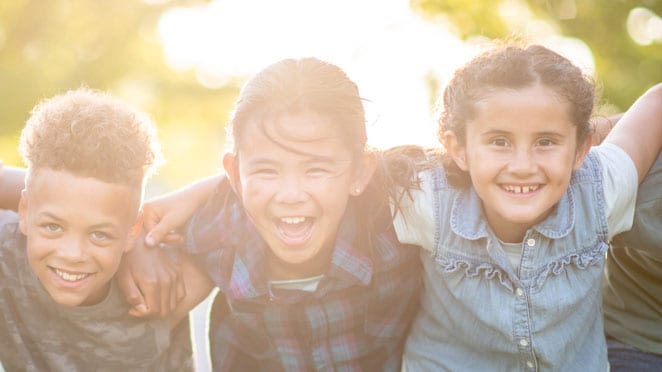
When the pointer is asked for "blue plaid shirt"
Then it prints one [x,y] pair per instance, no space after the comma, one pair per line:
[356,319]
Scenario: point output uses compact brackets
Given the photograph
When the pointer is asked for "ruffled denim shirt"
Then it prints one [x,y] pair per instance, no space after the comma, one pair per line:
[480,314]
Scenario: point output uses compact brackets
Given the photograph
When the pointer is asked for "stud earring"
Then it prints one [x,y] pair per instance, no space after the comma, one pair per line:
[357,191]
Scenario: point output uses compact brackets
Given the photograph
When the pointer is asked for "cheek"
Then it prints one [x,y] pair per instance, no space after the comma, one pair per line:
[109,257]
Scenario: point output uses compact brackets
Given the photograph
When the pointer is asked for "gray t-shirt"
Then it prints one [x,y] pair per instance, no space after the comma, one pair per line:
[38,334]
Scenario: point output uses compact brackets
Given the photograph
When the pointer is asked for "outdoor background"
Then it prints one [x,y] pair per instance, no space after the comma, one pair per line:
[184,61]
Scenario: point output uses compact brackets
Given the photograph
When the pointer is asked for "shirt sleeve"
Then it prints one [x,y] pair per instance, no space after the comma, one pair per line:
[414,222]
[620,182]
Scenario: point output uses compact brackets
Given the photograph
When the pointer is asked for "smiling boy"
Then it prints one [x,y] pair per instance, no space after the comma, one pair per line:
[88,156]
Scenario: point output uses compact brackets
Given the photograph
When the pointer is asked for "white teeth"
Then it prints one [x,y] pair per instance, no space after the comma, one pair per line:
[70,277]
[520,189]
[292,220]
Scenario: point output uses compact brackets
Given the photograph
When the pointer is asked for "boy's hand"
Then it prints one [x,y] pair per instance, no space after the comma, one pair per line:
[150,280]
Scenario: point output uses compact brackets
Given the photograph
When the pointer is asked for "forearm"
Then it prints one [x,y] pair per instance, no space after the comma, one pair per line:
[602,126]
[198,286]
[639,131]
[12,181]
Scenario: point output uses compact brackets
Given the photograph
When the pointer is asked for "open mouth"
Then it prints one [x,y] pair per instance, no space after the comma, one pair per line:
[70,276]
[295,230]
[517,189]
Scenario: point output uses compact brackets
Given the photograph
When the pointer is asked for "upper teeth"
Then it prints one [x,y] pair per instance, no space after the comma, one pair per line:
[70,277]
[293,220]
[521,189]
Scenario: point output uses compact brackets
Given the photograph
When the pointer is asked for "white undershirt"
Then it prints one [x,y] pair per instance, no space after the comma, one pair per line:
[305,284]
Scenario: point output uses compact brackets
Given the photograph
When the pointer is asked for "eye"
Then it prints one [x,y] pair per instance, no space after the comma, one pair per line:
[52,228]
[264,171]
[545,142]
[499,142]
[319,172]
[100,236]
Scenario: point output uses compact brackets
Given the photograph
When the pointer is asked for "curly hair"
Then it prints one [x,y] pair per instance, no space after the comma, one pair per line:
[512,67]
[91,134]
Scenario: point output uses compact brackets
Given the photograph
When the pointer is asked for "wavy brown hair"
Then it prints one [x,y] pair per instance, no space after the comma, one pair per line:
[512,67]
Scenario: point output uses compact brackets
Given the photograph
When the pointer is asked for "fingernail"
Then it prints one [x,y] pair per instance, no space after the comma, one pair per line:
[142,308]
[149,240]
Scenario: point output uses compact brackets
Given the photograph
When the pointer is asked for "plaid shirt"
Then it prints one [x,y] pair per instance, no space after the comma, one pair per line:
[356,319]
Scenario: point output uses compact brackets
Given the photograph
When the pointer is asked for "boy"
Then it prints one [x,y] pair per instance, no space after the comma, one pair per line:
[87,157]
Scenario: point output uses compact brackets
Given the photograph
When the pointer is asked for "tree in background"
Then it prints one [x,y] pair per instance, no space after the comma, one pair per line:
[624,67]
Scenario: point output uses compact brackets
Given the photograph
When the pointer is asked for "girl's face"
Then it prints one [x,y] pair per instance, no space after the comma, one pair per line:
[295,182]
[520,151]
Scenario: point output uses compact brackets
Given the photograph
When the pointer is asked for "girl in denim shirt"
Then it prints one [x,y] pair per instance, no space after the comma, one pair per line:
[514,226]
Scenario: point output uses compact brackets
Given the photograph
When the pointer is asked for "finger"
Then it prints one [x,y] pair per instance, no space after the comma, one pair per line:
[173,238]
[131,291]
[166,284]
[181,288]
[174,289]
[152,296]
[139,311]
[157,233]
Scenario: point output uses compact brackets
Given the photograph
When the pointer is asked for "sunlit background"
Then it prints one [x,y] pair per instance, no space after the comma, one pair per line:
[184,61]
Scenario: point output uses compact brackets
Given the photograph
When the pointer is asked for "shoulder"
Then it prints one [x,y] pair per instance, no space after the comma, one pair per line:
[11,238]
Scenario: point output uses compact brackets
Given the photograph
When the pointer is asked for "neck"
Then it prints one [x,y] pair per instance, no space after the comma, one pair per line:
[279,270]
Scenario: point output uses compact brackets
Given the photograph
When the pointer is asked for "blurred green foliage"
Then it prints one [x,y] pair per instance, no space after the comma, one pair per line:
[624,69]
[47,47]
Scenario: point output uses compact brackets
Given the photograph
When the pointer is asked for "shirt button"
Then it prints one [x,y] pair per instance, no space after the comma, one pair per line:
[529,364]
[524,342]
[530,242]
[519,291]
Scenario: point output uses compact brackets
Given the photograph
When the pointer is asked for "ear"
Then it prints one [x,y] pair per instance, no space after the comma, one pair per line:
[363,173]
[582,151]
[456,149]
[135,232]
[23,212]
[231,166]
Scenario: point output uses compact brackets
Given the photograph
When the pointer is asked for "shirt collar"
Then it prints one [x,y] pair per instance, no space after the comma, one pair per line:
[468,220]
[243,254]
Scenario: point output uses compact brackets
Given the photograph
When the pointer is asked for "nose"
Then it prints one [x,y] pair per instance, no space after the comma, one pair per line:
[522,161]
[72,249]
[291,190]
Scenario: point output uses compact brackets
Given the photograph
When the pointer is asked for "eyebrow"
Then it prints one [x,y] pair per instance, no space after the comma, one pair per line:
[309,159]
[503,132]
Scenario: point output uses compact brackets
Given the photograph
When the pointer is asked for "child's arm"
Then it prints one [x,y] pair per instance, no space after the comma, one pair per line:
[169,212]
[151,280]
[602,126]
[639,131]
[12,181]
[198,286]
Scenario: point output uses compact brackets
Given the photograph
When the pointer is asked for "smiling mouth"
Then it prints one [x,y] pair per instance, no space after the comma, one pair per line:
[295,230]
[71,277]
[516,189]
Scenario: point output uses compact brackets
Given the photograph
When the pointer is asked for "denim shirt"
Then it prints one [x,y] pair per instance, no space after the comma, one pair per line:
[479,314]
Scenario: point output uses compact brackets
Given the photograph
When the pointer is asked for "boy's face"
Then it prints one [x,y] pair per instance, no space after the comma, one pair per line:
[77,229]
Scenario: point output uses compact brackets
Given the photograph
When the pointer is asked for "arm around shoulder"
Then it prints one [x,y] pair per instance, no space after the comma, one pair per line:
[639,131]
[12,181]
[198,286]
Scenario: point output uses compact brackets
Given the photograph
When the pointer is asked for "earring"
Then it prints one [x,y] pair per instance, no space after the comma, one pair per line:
[357,191]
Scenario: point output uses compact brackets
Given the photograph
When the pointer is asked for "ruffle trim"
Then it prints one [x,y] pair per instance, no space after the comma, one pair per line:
[486,270]
[582,260]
